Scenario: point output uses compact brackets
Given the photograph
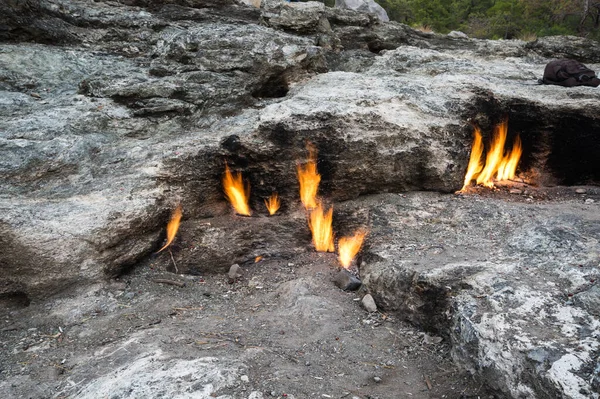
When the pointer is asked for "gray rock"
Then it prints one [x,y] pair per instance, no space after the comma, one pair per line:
[484,288]
[234,272]
[347,281]
[365,6]
[369,303]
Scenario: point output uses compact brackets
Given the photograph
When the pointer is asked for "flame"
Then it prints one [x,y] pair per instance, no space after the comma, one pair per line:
[494,157]
[258,259]
[173,226]
[236,192]
[475,164]
[320,225]
[498,165]
[348,247]
[273,203]
[309,179]
[509,164]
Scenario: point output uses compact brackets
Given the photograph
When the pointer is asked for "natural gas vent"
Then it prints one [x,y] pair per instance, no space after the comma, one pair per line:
[560,146]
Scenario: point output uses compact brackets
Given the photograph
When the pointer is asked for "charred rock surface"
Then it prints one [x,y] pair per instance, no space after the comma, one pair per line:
[111,113]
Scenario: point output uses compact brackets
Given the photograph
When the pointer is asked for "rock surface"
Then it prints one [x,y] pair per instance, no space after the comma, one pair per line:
[111,114]
[506,284]
[365,6]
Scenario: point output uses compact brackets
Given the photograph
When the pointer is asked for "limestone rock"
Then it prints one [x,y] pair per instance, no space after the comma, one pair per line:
[364,6]
[369,303]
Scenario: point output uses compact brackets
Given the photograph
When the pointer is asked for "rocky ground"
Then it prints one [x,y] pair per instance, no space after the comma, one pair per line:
[282,330]
[114,112]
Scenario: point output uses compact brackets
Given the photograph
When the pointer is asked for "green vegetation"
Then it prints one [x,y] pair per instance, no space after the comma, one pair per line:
[500,19]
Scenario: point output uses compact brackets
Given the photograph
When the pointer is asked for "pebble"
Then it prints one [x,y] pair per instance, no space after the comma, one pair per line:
[581,191]
[234,271]
[589,201]
[244,378]
[369,303]
[515,191]
[376,379]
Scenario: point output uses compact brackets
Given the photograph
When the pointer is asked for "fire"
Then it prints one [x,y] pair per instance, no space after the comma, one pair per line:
[236,191]
[273,203]
[498,165]
[348,247]
[320,225]
[508,167]
[475,164]
[173,226]
[309,179]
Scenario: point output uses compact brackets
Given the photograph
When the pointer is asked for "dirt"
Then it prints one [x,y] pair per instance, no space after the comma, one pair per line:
[282,329]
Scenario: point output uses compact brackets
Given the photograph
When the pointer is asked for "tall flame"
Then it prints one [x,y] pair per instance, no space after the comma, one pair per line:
[510,161]
[475,164]
[273,203]
[498,165]
[348,247]
[236,192]
[309,178]
[173,226]
[319,222]
[494,157]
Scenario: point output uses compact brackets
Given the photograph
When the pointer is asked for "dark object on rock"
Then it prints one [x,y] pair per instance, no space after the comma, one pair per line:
[569,73]
[347,281]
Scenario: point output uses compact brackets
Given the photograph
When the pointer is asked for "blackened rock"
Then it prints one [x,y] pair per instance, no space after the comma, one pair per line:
[347,281]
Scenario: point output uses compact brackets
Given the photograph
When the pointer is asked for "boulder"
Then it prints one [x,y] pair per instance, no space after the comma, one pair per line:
[369,6]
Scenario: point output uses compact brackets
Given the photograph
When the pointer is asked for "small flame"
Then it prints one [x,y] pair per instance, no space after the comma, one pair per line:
[498,165]
[475,164]
[273,203]
[348,247]
[173,226]
[258,259]
[320,225]
[309,178]
[236,192]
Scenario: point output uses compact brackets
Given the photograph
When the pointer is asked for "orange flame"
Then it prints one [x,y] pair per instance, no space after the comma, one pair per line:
[320,226]
[236,192]
[309,179]
[508,167]
[273,203]
[173,226]
[498,165]
[475,164]
[348,247]
[494,157]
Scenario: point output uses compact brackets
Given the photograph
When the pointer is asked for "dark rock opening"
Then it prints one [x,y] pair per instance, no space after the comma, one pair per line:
[560,144]
[274,87]
[14,300]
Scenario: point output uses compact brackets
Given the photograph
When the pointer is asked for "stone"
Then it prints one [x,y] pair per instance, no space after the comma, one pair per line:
[244,378]
[377,379]
[365,6]
[589,201]
[234,272]
[347,281]
[491,306]
[581,191]
[140,108]
[369,303]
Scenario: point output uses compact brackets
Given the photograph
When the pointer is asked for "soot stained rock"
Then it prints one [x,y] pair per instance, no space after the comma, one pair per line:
[112,113]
